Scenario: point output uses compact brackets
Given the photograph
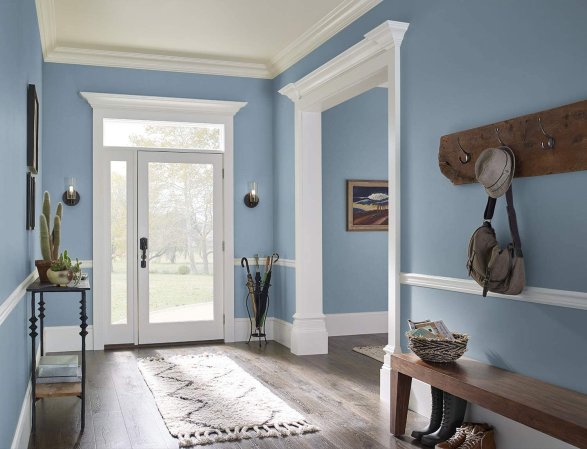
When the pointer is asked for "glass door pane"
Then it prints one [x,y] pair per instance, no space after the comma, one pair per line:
[114,256]
[181,234]
[118,243]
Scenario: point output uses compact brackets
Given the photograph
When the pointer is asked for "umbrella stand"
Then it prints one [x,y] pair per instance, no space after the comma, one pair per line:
[257,298]
[256,332]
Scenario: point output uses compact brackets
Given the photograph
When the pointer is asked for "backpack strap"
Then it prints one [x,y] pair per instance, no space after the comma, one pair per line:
[513,221]
[489,209]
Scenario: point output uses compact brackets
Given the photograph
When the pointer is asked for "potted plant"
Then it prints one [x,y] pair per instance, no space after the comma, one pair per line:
[63,270]
[50,239]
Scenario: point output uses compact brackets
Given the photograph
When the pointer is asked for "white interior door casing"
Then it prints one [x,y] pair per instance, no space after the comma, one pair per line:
[115,106]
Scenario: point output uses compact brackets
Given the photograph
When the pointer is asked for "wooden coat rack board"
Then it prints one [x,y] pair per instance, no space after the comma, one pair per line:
[544,143]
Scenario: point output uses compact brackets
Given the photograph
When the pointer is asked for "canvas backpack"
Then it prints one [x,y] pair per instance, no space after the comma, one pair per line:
[495,269]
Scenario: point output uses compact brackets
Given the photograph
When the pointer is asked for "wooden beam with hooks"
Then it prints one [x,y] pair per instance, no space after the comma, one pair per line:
[544,143]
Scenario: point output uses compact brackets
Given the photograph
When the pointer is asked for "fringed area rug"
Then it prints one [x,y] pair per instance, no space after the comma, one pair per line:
[375,352]
[208,398]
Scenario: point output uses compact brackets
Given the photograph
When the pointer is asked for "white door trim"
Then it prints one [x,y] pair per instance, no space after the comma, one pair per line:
[368,64]
[172,109]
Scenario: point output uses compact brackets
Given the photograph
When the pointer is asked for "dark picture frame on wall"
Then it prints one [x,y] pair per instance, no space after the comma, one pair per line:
[30,201]
[32,129]
[367,205]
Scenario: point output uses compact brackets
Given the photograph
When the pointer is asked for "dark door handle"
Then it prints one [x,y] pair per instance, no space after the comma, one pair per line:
[143,244]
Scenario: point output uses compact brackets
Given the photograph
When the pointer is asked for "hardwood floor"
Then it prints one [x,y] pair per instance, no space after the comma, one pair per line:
[338,392]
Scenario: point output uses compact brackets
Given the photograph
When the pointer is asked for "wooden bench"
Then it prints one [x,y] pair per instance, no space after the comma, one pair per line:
[556,411]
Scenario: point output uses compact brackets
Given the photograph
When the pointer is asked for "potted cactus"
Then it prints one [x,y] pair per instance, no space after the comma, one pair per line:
[63,270]
[50,238]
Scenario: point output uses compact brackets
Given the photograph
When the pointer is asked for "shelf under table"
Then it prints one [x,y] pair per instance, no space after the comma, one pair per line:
[58,390]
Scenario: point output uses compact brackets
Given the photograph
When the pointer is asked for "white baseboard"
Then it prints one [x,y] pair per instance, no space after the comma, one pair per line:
[385,384]
[66,338]
[22,433]
[277,330]
[282,332]
[242,329]
[339,324]
[309,335]
[509,434]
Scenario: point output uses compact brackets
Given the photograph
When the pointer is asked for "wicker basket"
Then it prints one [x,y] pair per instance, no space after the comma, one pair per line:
[439,351]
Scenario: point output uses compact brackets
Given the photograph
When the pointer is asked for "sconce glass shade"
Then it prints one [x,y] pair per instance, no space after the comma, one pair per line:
[70,188]
[71,196]
[252,197]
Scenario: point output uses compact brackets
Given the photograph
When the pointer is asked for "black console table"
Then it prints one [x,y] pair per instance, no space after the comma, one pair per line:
[57,389]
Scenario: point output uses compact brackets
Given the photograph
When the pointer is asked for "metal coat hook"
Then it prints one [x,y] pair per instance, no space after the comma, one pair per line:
[467,154]
[550,142]
[499,138]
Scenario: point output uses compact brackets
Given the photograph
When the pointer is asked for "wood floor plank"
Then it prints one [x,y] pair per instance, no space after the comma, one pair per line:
[338,392]
[110,431]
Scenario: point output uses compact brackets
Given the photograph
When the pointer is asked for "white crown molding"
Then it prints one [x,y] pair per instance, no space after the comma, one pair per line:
[47,25]
[386,36]
[552,297]
[147,61]
[185,105]
[338,19]
[14,298]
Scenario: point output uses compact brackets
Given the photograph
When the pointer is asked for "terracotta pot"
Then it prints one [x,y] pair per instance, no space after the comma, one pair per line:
[42,267]
[60,278]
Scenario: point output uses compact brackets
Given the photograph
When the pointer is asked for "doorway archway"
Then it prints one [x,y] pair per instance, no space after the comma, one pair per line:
[370,63]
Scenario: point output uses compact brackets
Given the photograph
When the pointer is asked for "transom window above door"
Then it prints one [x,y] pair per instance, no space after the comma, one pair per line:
[163,134]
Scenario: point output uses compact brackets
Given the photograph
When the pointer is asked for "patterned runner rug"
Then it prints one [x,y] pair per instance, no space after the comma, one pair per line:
[375,352]
[208,398]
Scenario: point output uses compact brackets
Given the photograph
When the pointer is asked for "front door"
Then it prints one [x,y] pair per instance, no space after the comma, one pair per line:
[179,227]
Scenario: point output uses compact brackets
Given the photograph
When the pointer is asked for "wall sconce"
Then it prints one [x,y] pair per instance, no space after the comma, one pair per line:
[252,198]
[71,195]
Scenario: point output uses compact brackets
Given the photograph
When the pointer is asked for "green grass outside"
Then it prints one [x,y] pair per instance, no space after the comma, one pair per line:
[166,288]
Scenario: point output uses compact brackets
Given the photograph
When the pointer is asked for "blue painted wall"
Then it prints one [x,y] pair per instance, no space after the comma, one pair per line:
[465,64]
[20,54]
[354,146]
[68,147]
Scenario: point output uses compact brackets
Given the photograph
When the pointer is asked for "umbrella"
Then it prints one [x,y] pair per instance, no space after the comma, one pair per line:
[250,284]
[265,291]
[257,286]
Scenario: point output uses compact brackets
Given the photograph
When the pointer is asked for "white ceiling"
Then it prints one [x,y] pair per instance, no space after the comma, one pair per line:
[259,38]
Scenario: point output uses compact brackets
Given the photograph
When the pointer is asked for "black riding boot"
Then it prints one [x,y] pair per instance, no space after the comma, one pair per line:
[435,416]
[453,413]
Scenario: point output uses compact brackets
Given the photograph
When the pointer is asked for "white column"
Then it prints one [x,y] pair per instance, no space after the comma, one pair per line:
[309,335]
[394,238]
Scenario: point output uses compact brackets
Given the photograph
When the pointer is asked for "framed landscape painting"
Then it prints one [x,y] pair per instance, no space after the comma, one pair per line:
[367,205]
